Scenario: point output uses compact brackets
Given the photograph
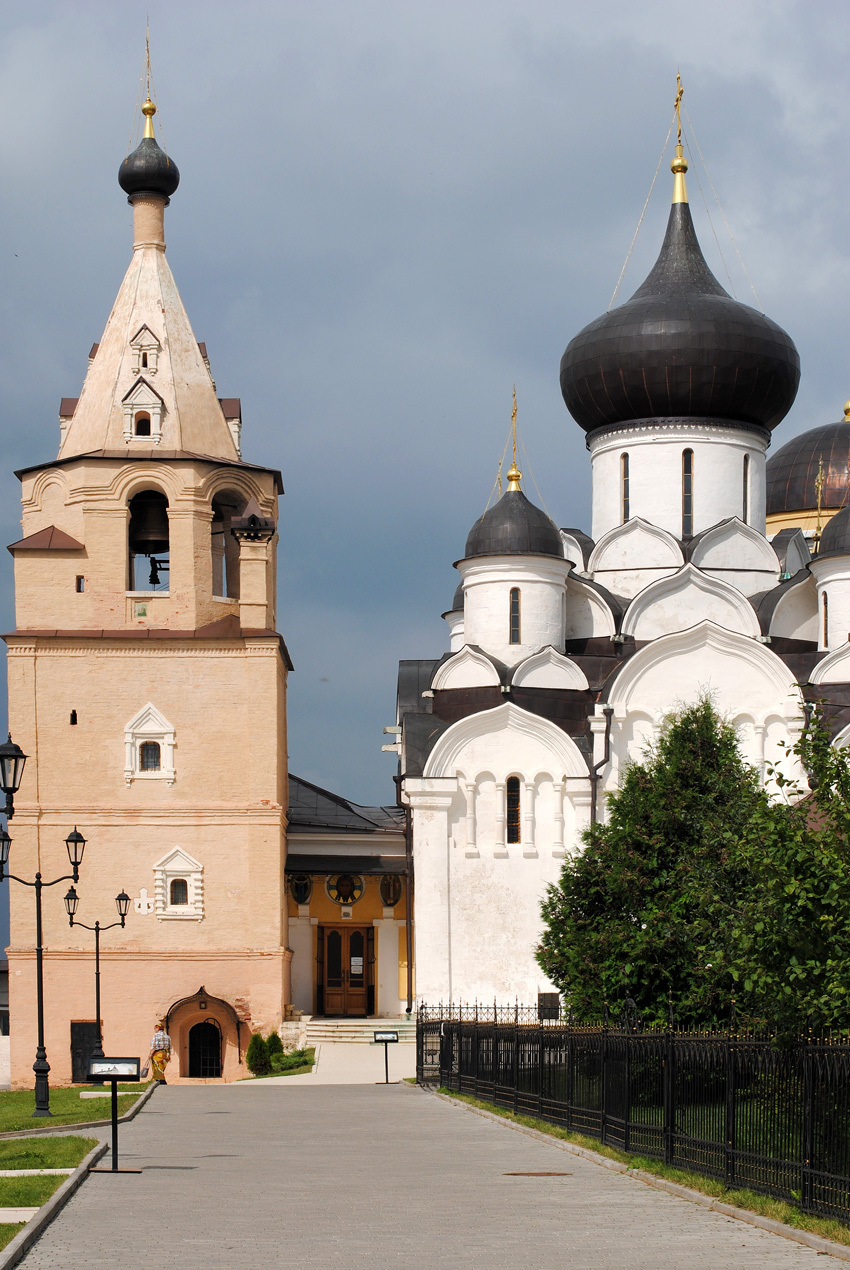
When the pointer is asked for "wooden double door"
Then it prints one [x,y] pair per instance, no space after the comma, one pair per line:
[345,970]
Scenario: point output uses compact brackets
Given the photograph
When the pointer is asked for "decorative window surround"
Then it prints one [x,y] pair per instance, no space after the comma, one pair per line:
[148,725]
[146,349]
[144,399]
[178,864]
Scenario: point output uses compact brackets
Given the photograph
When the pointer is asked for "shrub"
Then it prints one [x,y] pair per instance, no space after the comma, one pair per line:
[274,1045]
[257,1058]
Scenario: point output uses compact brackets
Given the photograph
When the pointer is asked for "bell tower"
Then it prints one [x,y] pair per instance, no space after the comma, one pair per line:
[147,683]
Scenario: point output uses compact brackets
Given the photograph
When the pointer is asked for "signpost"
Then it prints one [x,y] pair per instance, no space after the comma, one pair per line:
[388,1038]
[113,1070]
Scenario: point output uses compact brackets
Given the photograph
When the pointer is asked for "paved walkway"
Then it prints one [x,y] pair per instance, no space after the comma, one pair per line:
[361,1176]
[354,1063]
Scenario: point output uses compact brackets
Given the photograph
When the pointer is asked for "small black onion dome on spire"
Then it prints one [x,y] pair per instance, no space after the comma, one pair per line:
[514,527]
[835,539]
[148,170]
[680,347]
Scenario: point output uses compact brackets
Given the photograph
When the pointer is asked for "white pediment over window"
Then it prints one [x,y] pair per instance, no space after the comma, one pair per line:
[146,349]
[549,669]
[179,887]
[143,411]
[149,747]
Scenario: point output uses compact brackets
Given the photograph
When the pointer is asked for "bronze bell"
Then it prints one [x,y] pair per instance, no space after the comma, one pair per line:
[149,524]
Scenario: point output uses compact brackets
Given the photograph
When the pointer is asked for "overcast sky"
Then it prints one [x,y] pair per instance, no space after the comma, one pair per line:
[389,213]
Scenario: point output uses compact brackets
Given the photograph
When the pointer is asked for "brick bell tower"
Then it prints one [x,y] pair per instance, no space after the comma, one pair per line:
[147,683]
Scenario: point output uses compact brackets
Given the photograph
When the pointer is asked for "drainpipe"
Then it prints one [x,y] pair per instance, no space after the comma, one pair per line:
[596,770]
[408,888]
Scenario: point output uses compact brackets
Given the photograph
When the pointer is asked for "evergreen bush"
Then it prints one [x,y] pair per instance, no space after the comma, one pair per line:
[274,1045]
[257,1058]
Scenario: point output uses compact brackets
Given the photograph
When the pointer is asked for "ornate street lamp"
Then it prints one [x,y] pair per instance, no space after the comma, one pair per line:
[122,903]
[12,761]
[76,844]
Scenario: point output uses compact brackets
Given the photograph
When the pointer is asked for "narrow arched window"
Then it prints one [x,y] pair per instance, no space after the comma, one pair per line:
[825,620]
[149,756]
[687,493]
[515,630]
[745,500]
[624,486]
[143,425]
[512,790]
[178,892]
[148,542]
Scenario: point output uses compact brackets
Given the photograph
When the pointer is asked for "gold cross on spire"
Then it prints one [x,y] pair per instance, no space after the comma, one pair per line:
[149,109]
[514,474]
[679,166]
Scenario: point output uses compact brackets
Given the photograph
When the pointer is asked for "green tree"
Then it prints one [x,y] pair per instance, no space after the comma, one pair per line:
[274,1045]
[789,951]
[646,908]
[257,1057]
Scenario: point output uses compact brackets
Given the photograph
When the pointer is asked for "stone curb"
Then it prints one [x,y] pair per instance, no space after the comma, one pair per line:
[21,1244]
[817,1242]
[81,1124]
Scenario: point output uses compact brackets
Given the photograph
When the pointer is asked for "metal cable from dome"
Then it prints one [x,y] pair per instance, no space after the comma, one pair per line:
[643,213]
[723,214]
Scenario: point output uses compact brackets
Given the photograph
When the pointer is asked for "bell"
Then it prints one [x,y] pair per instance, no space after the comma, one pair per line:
[149,524]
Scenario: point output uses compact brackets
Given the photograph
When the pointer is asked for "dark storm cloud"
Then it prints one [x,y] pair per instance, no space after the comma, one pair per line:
[390,213]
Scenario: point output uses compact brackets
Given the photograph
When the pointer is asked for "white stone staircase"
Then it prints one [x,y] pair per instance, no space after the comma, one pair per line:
[347,1031]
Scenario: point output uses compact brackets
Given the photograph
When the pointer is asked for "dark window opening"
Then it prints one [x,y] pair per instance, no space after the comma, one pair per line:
[624,482]
[746,491]
[179,891]
[149,756]
[73,718]
[143,425]
[148,542]
[226,507]
[144,361]
[825,620]
[513,809]
[515,632]
[687,493]
[80,584]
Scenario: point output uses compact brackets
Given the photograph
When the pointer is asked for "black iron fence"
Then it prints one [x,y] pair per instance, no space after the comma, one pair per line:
[758,1116]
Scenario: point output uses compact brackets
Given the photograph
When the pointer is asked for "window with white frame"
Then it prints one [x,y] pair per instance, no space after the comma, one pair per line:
[178,887]
[149,747]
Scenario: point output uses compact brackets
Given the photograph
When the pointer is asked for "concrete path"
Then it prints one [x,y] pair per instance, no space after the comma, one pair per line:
[342,1063]
[363,1176]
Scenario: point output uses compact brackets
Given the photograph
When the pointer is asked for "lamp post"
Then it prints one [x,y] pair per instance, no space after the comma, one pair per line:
[75,842]
[122,903]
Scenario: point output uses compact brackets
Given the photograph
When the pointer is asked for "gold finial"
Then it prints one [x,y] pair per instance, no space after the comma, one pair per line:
[679,166]
[819,484]
[847,412]
[514,474]
[149,109]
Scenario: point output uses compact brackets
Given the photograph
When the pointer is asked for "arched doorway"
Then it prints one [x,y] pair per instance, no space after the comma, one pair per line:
[205,1050]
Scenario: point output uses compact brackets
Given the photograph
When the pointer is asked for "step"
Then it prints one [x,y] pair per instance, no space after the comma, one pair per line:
[362,1031]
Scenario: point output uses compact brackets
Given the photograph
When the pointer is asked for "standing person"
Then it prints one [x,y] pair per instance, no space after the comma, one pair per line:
[160,1054]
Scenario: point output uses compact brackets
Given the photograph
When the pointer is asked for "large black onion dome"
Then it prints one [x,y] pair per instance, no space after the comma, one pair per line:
[148,170]
[514,527]
[792,472]
[681,347]
[835,539]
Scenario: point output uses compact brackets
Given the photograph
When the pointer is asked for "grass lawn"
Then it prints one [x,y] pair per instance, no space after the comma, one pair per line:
[776,1209]
[27,1192]
[298,1063]
[8,1230]
[17,1106]
[44,1153]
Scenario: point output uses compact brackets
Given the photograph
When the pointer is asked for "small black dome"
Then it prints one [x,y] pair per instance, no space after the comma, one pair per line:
[835,539]
[681,347]
[457,601]
[792,472]
[148,170]
[514,527]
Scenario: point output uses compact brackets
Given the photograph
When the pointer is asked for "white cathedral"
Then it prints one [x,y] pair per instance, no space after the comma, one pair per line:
[566,651]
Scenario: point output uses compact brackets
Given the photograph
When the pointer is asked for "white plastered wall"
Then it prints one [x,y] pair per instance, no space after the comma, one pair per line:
[655,475]
[475,891]
[832,576]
